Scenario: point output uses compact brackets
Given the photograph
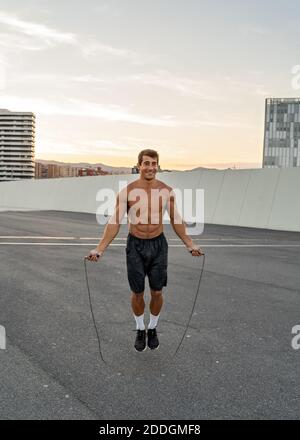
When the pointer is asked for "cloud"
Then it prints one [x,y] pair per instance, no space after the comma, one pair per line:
[182,85]
[91,48]
[74,107]
[256,30]
[244,85]
[20,42]
[218,123]
[112,113]
[41,31]
[47,37]
[105,147]
[185,86]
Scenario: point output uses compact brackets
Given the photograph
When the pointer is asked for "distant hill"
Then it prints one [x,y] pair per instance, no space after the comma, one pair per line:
[201,168]
[125,170]
[229,165]
[110,169]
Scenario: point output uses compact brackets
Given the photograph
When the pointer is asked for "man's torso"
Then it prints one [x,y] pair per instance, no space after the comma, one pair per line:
[146,205]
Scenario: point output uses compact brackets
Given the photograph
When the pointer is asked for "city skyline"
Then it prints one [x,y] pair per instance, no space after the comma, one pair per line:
[109,80]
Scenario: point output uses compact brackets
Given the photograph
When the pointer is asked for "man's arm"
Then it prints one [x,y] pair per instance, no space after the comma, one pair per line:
[179,226]
[112,227]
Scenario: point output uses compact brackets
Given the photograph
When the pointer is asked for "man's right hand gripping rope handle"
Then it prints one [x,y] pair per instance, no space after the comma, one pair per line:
[94,255]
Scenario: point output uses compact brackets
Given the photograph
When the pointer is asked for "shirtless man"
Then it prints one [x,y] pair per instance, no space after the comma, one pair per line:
[145,201]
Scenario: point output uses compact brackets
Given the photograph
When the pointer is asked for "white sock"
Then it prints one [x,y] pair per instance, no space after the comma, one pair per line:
[139,322]
[153,321]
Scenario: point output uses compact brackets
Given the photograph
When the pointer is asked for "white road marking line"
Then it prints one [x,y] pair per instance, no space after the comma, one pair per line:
[39,237]
[45,237]
[123,245]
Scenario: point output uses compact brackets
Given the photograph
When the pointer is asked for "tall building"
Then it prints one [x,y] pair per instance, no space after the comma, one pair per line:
[282,133]
[17,144]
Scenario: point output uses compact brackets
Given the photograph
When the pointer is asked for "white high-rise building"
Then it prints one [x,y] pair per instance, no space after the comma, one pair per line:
[282,133]
[17,145]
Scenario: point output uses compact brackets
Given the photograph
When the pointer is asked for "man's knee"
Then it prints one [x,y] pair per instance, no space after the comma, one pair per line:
[137,296]
[156,293]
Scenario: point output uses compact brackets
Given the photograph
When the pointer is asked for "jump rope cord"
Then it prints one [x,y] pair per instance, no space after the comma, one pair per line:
[96,328]
[193,308]
[91,308]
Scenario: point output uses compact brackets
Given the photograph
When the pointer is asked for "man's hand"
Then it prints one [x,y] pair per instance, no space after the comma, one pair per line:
[196,251]
[94,255]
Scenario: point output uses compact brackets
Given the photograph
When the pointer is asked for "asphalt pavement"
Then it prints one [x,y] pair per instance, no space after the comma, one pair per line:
[236,361]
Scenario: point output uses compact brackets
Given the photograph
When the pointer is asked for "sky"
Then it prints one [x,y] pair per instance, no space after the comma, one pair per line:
[108,78]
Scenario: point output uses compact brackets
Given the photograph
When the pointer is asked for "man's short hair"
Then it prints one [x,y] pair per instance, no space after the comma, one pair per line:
[147,152]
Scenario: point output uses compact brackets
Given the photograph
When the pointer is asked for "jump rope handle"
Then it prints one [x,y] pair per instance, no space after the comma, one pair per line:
[87,256]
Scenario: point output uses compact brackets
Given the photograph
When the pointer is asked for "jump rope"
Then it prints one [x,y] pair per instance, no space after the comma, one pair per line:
[96,328]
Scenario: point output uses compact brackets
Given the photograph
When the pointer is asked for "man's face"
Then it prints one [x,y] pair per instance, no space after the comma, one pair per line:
[148,167]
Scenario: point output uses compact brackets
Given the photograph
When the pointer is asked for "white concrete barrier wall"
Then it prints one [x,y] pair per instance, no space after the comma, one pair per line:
[259,198]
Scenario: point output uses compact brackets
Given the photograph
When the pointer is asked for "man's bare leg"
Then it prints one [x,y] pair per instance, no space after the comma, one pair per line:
[138,303]
[156,302]
[155,308]
[138,308]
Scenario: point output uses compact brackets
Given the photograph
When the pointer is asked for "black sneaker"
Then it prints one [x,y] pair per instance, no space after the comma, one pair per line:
[153,341]
[140,340]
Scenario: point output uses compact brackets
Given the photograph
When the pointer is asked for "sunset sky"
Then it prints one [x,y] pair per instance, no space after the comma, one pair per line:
[186,77]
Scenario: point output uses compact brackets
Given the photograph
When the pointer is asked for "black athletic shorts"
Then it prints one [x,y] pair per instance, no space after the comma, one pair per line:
[147,256]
